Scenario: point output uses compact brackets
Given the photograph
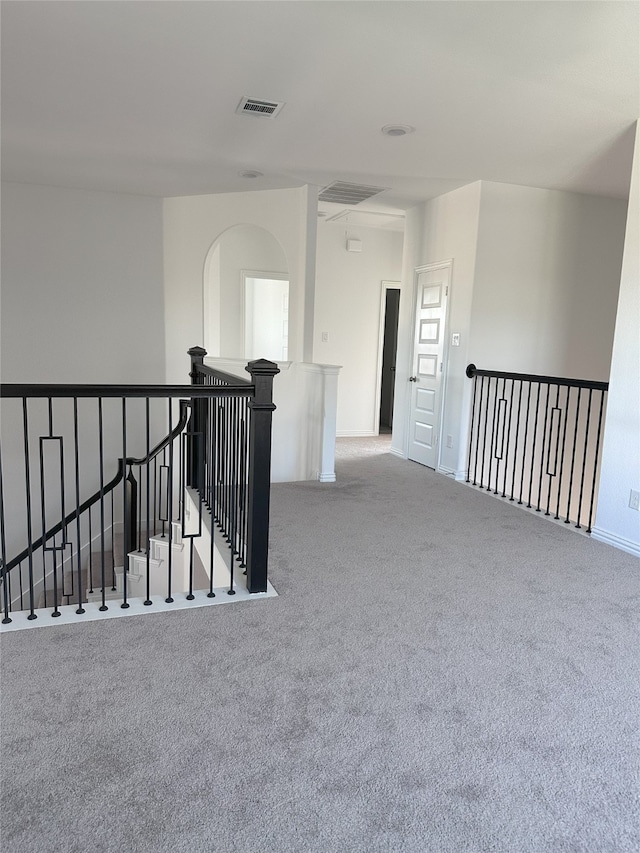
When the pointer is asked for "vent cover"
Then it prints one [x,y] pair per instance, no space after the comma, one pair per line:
[259,108]
[341,192]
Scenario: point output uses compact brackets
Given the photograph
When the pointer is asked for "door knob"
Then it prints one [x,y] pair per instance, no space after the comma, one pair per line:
[413,379]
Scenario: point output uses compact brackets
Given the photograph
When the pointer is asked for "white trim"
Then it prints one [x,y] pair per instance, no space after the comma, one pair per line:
[385,285]
[627,545]
[326,478]
[461,476]
[325,369]
[92,612]
[355,433]
[442,469]
[244,275]
[399,453]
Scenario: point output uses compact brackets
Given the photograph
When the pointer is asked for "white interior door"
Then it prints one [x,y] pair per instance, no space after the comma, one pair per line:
[432,292]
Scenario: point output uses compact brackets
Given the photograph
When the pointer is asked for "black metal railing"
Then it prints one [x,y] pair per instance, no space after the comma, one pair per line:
[536,440]
[210,439]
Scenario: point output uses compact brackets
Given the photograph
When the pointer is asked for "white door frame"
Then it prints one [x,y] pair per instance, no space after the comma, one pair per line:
[244,275]
[437,265]
[384,286]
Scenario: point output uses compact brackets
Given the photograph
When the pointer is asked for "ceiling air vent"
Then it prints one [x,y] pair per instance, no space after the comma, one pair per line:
[341,192]
[258,108]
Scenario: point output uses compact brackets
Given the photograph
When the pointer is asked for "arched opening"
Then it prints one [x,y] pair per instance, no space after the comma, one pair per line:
[245,295]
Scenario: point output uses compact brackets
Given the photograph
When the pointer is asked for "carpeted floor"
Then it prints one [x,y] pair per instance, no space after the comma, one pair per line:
[441,673]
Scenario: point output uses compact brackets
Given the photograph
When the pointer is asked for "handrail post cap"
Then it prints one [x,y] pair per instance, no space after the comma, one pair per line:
[262,367]
[471,370]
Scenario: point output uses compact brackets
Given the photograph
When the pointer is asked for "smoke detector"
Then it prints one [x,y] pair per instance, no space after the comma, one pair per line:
[259,108]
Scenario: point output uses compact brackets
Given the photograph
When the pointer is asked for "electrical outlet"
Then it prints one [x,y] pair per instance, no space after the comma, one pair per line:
[449,441]
[325,337]
[634,499]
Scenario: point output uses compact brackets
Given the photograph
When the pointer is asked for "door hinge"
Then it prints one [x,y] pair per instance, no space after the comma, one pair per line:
[446,290]
[441,363]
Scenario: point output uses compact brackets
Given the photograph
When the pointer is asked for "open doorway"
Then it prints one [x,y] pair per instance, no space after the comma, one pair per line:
[390,308]
[266,313]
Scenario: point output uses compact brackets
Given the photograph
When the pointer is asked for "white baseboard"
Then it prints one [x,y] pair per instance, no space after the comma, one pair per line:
[395,452]
[327,478]
[617,541]
[448,472]
[355,433]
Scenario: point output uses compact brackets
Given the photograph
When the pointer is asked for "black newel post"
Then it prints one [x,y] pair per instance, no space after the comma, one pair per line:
[196,426]
[262,408]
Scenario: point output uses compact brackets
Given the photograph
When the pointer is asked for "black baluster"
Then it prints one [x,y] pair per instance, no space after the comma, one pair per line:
[148,502]
[506,454]
[584,457]
[3,555]
[475,466]
[113,542]
[515,450]
[493,431]
[542,451]
[169,598]
[596,460]
[103,573]
[551,474]
[533,448]
[524,446]
[564,437]
[573,456]
[125,508]
[27,473]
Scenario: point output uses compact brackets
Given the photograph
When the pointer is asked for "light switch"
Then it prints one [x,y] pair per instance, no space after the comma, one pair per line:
[325,337]
[455,339]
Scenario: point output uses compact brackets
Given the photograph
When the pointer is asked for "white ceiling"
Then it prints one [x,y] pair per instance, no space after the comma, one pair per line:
[140,97]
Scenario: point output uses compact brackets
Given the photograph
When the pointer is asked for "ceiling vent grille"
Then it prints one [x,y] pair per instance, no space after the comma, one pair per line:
[341,192]
[259,108]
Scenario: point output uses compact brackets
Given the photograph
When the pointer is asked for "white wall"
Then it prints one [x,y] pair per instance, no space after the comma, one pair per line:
[192,224]
[441,229]
[243,248]
[546,282]
[81,302]
[534,289]
[82,286]
[616,522]
[303,427]
[347,308]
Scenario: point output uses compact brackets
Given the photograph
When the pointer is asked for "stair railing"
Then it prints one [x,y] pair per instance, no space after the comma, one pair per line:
[54,453]
[536,440]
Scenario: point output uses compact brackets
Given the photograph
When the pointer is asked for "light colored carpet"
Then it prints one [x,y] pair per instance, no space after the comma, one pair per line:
[441,673]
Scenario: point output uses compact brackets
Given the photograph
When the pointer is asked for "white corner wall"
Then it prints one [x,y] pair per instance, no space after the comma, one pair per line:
[191,226]
[616,523]
[347,309]
[546,284]
[534,290]
[82,286]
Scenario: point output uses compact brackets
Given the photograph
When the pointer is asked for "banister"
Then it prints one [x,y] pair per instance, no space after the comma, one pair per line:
[105,490]
[226,424]
[229,378]
[539,434]
[240,388]
[473,371]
